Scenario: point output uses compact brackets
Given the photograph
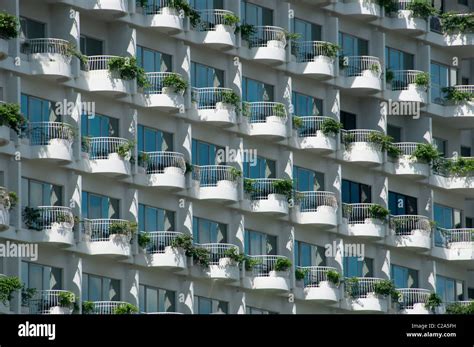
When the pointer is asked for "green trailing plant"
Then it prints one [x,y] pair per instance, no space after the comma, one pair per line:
[389,76]
[8,286]
[12,199]
[300,274]
[248,186]
[452,22]
[250,262]
[143,159]
[375,68]
[331,127]
[422,79]
[187,10]
[352,287]
[144,239]
[329,49]
[378,212]
[189,168]
[389,6]
[279,110]
[128,69]
[176,82]
[31,218]
[333,277]
[9,26]
[348,138]
[66,299]
[26,295]
[458,308]
[283,187]
[126,308]
[125,150]
[384,288]
[433,302]
[230,19]
[123,228]
[426,153]
[456,95]
[72,51]
[234,254]
[85,144]
[247,31]
[297,122]
[230,97]
[385,142]
[422,9]
[184,242]
[201,256]
[11,117]
[282,264]
[460,166]
[235,173]
[87,307]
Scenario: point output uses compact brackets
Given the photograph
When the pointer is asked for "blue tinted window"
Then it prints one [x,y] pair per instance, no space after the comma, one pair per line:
[439,80]
[207,231]
[306,106]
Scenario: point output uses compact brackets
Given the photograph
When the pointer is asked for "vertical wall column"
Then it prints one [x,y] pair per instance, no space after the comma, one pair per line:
[73,277]
[183,67]
[131,286]
[186,298]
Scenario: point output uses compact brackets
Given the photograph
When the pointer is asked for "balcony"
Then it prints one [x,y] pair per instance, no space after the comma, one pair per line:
[317,287]
[265,119]
[107,155]
[112,7]
[5,206]
[215,30]
[362,297]
[314,59]
[411,232]
[107,307]
[361,74]
[162,16]
[462,110]
[405,165]
[361,221]
[454,174]
[99,240]
[160,97]
[213,105]
[50,224]
[267,195]
[404,86]
[162,169]
[159,253]
[361,147]
[51,141]
[48,57]
[311,137]
[217,182]
[455,37]
[98,77]
[361,9]
[51,302]
[265,277]
[403,20]
[316,208]
[221,266]
[413,300]
[267,45]
[457,244]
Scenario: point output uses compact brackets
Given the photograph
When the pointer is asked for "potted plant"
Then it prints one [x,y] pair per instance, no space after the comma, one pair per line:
[232,257]
[452,22]
[333,277]
[422,9]
[425,153]
[246,32]
[352,287]
[377,214]
[127,69]
[388,5]
[297,122]
[8,286]
[229,101]
[278,111]
[144,240]
[300,275]
[9,26]
[235,173]
[389,76]
[201,256]
[456,96]
[87,307]
[422,80]
[249,186]
[121,231]
[283,187]
[31,218]
[66,302]
[281,267]
[174,84]
[10,116]
[250,262]
[125,150]
[331,127]
[433,302]
[125,308]
[384,288]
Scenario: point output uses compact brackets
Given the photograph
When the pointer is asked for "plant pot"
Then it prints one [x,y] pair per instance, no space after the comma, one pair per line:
[60,310]
[225,262]
[373,221]
[169,11]
[119,238]
[275,44]
[223,106]
[275,273]
[169,90]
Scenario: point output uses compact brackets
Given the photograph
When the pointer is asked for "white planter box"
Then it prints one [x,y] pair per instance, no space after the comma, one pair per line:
[60,310]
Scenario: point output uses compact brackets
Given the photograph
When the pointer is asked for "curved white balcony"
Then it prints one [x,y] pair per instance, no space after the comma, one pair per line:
[458,243]
[217,182]
[221,267]
[451,173]
[266,196]
[162,16]
[265,119]
[107,307]
[463,111]
[362,297]
[214,30]
[313,59]
[361,9]
[160,97]
[163,169]
[104,157]
[266,278]
[49,302]
[361,222]
[159,252]
[5,206]
[211,105]
[98,240]
[4,135]
[403,20]
[405,165]
[311,137]
[48,57]
[317,287]
[54,225]
[51,141]
[362,73]
[358,147]
[412,232]
[413,300]
[98,77]
[316,208]
[459,39]
[112,7]
[404,87]
[3,48]
[267,44]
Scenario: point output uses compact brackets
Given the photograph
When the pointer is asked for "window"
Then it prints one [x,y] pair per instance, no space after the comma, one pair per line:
[470,293]
[41,277]
[308,31]
[153,61]
[354,267]
[39,110]
[152,140]
[404,277]
[207,231]
[398,60]
[258,243]
[204,153]
[98,125]
[400,204]
[463,2]
[353,46]
[207,4]
[439,80]
[155,219]
[98,288]
[156,299]
[309,255]
[446,218]
[348,120]
[353,192]
[449,289]
[32,29]
[204,305]
[37,193]
[441,145]
[306,106]
[91,46]
[253,91]
[96,206]
[307,180]
[264,168]
[203,76]
[465,151]
[395,133]
[254,310]
[469,222]
[255,15]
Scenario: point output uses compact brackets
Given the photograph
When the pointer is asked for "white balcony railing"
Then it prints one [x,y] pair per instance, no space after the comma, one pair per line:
[362,287]
[98,230]
[264,34]
[357,213]
[210,175]
[48,215]
[310,201]
[306,51]
[265,264]
[207,98]
[406,224]
[259,111]
[43,300]
[155,80]
[358,135]
[41,133]
[314,275]
[217,251]
[311,125]
[406,148]
[208,19]
[465,88]
[47,45]
[155,6]
[403,78]
[402,5]
[98,62]
[106,307]
[262,187]
[450,167]
[159,240]
[459,235]
[157,162]
[411,296]
[357,65]
[102,147]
